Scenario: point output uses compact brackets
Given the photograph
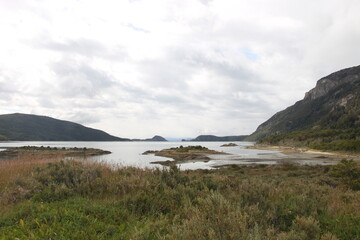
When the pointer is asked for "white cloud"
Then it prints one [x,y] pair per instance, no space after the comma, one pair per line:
[175,68]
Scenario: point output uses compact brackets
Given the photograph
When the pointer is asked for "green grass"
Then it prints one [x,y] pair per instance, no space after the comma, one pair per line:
[72,200]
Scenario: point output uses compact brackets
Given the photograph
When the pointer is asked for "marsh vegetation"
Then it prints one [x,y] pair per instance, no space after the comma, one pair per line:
[82,200]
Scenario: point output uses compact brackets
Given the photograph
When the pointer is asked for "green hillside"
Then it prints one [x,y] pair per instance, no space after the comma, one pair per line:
[327,118]
[26,127]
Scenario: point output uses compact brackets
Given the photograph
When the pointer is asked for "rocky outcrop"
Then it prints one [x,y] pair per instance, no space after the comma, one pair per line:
[324,85]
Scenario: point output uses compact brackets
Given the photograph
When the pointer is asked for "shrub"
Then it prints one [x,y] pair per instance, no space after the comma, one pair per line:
[58,181]
[347,172]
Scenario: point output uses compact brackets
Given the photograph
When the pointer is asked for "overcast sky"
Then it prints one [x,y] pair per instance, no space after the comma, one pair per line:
[177,68]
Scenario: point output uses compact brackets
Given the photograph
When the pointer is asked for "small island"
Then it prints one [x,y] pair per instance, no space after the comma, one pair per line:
[229,145]
[52,151]
[183,154]
[155,138]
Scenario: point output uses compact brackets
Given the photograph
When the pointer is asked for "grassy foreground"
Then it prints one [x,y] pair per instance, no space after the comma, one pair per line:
[76,200]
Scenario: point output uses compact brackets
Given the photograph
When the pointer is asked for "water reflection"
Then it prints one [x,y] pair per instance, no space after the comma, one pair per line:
[130,153]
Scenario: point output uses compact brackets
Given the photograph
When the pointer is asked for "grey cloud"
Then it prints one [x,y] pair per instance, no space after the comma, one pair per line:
[164,73]
[80,79]
[83,117]
[8,86]
[91,104]
[181,64]
[84,47]
[237,76]
[206,2]
[180,103]
[168,79]
[237,73]
[46,102]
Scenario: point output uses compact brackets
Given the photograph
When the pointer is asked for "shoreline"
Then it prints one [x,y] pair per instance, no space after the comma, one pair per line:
[303,150]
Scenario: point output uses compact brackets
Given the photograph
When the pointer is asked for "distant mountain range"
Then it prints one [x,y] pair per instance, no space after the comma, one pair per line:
[156,138]
[26,127]
[212,138]
[327,118]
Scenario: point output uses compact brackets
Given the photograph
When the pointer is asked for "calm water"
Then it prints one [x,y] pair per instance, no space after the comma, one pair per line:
[130,153]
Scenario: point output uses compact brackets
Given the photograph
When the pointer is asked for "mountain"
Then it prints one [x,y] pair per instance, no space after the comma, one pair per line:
[156,138]
[328,117]
[212,138]
[26,127]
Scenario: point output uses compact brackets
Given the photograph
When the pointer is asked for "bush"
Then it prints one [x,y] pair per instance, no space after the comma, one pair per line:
[58,181]
[306,228]
[347,172]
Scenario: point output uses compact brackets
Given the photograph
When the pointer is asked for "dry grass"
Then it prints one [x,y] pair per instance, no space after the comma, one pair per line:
[22,166]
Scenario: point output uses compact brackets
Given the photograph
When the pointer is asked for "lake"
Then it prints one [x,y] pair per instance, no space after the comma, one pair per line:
[130,153]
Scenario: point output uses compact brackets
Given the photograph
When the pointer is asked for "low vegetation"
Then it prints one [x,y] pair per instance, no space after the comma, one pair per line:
[183,154]
[347,173]
[78,200]
[326,139]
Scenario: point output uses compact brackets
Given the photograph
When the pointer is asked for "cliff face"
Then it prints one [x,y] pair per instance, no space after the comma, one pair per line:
[326,84]
[334,103]
[323,86]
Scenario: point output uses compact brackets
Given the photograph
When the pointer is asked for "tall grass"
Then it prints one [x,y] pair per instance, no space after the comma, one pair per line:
[78,200]
[22,166]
